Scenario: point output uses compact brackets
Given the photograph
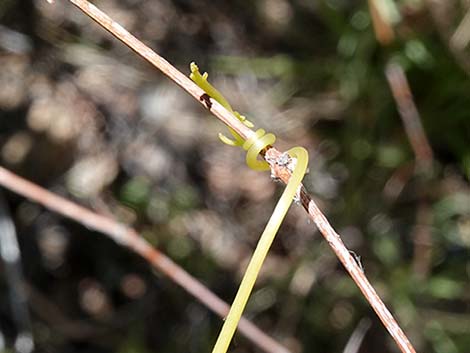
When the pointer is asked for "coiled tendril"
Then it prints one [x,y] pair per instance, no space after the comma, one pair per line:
[258,142]
[254,145]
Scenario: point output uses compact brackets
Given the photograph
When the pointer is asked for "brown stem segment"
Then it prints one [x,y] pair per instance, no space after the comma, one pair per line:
[343,254]
[129,238]
[164,66]
[410,116]
[382,28]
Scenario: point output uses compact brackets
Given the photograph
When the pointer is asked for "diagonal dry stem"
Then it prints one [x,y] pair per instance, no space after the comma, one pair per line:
[409,114]
[383,29]
[344,255]
[271,154]
[129,238]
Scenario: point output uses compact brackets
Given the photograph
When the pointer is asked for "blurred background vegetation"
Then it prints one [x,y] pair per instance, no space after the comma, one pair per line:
[83,116]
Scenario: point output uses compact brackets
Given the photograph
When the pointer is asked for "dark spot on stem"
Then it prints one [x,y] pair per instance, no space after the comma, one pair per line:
[206,99]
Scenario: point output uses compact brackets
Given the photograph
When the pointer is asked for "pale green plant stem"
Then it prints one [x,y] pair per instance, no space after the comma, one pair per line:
[264,243]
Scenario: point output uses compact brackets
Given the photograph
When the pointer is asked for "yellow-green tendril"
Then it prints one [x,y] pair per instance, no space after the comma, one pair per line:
[254,146]
[201,81]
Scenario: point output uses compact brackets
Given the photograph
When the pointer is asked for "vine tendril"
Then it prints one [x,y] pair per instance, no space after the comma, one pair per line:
[201,81]
[254,146]
[257,143]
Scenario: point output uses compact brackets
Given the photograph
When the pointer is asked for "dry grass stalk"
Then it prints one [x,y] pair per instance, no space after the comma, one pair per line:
[410,116]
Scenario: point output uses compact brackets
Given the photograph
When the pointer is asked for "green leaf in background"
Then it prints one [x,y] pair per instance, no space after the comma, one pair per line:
[185,197]
[452,219]
[386,248]
[416,51]
[390,156]
[444,288]
[441,342]
[135,193]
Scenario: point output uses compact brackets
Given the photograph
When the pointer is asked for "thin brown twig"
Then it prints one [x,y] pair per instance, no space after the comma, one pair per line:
[344,255]
[128,237]
[164,66]
[401,91]
[444,22]
[414,130]
[409,114]
[271,155]
[382,28]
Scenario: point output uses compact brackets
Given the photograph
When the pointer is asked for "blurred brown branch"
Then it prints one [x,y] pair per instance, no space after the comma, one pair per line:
[456,40]
[344,255]
[382,27]
[409,114]
[414,130]
[401,91]
[129,238]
